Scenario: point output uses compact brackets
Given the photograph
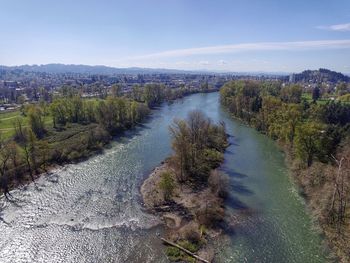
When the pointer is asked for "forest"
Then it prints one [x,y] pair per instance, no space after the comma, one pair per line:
[316,139]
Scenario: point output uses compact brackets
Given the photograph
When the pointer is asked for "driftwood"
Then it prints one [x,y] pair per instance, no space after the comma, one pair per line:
[184,250]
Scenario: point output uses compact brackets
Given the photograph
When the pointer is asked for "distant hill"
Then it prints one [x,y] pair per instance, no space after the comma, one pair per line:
[85,69]
[321,75]
[105,70]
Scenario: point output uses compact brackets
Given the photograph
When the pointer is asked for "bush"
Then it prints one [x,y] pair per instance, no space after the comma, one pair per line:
[191,233]
[193,247]
[213,157]
[175,254]
[210,214]
[219,183]
[74,155]
[166,184]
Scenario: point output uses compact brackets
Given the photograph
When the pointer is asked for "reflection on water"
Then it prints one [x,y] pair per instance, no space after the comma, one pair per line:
[90,212]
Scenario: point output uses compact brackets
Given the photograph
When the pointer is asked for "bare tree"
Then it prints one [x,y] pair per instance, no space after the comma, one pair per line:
[339,200]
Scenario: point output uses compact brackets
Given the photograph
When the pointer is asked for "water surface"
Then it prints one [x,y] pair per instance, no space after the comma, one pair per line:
[91,211]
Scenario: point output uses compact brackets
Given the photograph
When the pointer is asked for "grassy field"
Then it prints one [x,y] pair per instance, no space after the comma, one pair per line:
[308,98]
[6,122]
[7,119]
[322,101]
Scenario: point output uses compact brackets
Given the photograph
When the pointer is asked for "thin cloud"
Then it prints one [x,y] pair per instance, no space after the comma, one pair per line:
[339,27]
[262,46]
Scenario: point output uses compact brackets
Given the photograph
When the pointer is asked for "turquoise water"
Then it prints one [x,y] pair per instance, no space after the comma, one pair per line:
[91,211]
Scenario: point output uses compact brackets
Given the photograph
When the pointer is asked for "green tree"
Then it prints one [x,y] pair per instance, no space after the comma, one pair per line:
[76,109]
[180,145]
[291,94]
[136,93]
[36,121]
[167,185]
[284,122]
[307,141]
[153,94]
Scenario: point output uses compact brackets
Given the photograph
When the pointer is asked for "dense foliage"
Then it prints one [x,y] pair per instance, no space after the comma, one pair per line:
[198,146]
[71,127]
[192,183]
[321,75]
[317,140]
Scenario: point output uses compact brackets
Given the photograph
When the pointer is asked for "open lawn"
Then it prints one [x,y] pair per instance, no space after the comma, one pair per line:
[308,98]
[6,122]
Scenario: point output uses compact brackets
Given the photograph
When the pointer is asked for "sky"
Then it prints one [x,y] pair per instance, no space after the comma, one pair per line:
[214,35]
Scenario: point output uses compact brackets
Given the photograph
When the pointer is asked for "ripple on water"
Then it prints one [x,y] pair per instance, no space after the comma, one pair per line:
[89,212]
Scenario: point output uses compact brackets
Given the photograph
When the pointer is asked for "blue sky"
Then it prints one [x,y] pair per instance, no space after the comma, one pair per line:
[225,35]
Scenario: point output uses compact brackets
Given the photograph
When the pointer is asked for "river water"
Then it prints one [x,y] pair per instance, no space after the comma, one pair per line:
[91,211]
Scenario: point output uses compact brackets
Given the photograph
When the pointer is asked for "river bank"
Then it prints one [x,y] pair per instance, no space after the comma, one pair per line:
[315,152]
[91,210]
[27,156]
[187,191]
[179,213]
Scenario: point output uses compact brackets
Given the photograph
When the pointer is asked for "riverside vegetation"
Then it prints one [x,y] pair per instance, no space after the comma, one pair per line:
[70,128]
[187,190]
[316,138]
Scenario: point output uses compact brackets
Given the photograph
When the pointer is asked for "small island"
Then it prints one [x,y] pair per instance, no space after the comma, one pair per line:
[187,191]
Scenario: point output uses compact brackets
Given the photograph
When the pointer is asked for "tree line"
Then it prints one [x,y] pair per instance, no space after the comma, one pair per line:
[71,127]
[316,138]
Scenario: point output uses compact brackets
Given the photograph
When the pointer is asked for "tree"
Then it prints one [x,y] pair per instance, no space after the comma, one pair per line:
[270,107]
[284,122]
[76,109]
[167,185]
[153,94]
[116,90]
[198,145]
[341,186]
[342,88]
[315,93]
[219,183]
[136,93]
[30,152]
[43,152]
[36,121]
[5,155]
[335,113]
[59,112]
[16,159]
[307,141]
[19,130]
[291,94]
[180,145]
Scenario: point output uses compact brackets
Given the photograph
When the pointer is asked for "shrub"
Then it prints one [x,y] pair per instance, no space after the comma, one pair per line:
[219,183]
[191,233]
[174,254]
[211,213]
[213,157]
[166,184]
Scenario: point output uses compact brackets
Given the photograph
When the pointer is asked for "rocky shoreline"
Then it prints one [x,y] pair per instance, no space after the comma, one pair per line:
[180,215]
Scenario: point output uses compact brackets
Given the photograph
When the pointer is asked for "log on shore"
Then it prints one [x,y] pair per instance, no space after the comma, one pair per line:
[184,250]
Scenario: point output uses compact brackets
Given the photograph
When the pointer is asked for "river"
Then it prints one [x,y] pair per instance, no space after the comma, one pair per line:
[91,211]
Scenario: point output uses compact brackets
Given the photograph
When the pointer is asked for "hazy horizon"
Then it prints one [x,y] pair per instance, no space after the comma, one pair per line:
[224,36]
[185,70]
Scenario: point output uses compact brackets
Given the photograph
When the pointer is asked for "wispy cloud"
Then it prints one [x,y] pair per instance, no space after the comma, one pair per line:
[338,27]
[262,46]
